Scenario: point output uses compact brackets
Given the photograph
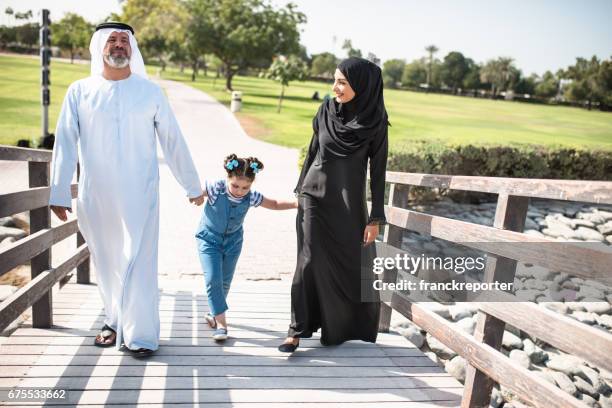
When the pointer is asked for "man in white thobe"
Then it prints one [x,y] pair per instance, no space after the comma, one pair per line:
[108,123]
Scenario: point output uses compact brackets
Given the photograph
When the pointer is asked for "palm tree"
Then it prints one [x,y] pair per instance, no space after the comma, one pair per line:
[489,73]
[431,49]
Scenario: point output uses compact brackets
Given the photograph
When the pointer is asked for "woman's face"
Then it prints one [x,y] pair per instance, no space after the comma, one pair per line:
[342,88]
[239,186]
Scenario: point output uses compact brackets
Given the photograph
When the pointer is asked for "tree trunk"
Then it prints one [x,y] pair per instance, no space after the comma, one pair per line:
[194,68]
[71,56]
[280,100]
[229,75]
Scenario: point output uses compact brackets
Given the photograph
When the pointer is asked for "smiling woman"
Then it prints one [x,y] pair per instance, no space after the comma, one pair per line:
[333,225]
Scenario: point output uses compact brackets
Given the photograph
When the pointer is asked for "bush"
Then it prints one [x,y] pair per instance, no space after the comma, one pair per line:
[553,162]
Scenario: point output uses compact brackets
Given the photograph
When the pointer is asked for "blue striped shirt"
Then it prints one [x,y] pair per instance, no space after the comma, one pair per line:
[214,188]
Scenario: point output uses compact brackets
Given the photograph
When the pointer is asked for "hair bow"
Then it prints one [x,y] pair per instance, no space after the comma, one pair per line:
[255,167]
[232,164]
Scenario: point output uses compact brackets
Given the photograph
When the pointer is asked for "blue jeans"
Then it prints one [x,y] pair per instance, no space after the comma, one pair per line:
[218,257]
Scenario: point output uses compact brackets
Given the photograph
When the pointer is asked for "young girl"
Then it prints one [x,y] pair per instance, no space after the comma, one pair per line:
[219,235]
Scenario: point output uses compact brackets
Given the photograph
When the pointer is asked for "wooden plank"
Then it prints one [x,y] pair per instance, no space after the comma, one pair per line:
[213,397]
[597,192]
[171,381]
[560,331]
[19,252]
[216,360]
[40,219]
[587,260]
[83,270]
[26,296]
[527,385]
[240,340]
[510,215]
[221,371]
[24,154]
[221,350]
[31,199]
[398,197]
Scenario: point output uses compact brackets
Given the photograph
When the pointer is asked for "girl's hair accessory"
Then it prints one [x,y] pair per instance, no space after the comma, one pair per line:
[255,167]
[232,164]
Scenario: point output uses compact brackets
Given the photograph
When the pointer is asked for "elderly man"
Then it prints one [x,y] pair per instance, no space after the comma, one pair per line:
[109,121]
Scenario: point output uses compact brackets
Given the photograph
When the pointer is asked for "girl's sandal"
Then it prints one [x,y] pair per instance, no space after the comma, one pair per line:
[210,319]
[106,333]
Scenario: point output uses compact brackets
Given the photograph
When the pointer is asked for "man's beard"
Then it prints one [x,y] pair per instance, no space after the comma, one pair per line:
[116,61]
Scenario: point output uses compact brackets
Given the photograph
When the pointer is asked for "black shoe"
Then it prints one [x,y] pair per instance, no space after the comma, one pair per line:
[141,352]
[288,347]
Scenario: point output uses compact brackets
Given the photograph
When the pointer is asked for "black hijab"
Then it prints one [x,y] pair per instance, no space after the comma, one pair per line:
[355,123]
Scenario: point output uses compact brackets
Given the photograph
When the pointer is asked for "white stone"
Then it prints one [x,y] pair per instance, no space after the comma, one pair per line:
[604,320]
[588,234]
[565,363]
[585,317]
[597,307]
[496,398]
[589,401]
[6,291]
[439,348]
[413,335]
[461,310]
[6,232]
[564,382]
[511,341]
[605,229]
[456,367]
[520,357]
[467,324]
[535,353]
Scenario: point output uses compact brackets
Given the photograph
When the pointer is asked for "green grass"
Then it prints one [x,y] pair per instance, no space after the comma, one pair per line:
[20,108]
[414,116]
[417,116]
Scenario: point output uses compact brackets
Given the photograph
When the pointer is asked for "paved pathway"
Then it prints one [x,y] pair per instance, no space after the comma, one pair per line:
[212,133]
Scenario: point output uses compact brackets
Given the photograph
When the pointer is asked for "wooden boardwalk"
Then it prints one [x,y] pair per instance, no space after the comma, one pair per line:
[190,368]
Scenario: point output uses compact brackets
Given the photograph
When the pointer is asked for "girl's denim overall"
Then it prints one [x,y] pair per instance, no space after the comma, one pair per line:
[219,239]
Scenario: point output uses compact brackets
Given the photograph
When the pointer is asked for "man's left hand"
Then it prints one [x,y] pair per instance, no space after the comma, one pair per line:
[370,233]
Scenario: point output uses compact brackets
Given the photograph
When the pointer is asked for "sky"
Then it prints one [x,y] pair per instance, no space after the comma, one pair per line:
[539,34]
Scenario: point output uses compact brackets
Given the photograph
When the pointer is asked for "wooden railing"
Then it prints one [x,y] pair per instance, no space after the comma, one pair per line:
[36,248]
[486,364]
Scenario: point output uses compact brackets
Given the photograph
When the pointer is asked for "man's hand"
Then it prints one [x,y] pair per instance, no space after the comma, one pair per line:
[60,212]
[370,233]
[197,200]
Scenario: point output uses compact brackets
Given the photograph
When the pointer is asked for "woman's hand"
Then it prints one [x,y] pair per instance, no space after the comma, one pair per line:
[370,233]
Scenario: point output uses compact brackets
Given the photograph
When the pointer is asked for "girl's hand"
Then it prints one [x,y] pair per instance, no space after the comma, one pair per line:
[197,200]
[295,204]
[370,233]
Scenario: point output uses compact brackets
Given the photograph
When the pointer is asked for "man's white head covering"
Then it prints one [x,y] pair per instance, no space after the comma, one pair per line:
[98,42]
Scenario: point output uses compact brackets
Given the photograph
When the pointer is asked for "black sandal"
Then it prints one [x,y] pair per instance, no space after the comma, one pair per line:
[141,352]
[288,347]
[105,333]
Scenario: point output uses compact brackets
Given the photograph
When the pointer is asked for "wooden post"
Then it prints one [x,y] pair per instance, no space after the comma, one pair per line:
[83,275]
[510,215]
[42,310]
[398,197]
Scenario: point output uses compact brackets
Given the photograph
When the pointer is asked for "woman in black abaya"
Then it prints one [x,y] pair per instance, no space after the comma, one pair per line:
[332,223]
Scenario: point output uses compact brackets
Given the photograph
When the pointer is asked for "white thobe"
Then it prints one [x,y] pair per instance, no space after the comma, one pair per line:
[110,126]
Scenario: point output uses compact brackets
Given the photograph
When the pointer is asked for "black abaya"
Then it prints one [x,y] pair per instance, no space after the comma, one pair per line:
[332,215]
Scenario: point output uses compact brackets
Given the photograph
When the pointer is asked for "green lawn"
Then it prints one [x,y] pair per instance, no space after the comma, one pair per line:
[414,116]
[20,109]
